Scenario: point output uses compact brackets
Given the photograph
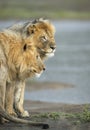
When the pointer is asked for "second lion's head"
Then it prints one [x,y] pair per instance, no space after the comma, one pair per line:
[43,33]
[24,59]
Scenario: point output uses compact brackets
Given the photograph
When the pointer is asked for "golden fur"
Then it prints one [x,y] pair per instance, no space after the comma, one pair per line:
[42,32]
[18,61]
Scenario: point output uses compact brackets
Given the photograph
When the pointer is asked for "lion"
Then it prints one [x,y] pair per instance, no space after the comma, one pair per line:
[43,32]
[18,61]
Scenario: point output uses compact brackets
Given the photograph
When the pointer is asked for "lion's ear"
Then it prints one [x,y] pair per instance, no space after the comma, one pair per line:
[31,29]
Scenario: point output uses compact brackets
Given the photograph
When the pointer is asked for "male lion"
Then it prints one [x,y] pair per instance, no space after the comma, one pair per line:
[18,61]
[43,38]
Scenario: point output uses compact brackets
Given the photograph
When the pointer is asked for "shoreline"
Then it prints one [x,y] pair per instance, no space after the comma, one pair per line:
[42,107]
[34,86]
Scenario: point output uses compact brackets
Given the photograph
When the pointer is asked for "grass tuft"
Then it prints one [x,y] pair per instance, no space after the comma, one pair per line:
[76,118]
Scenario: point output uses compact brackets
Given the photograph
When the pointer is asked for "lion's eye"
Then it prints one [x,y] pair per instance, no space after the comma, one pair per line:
[37,56]
[44,38]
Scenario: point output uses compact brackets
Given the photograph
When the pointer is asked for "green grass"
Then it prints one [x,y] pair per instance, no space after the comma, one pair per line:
[22,13]
[85,115]
[76,118]
[55,9]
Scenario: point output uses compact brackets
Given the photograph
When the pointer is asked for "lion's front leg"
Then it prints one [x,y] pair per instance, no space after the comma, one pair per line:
[3,77]
[2,98]
[2,93]
[9,98]
[19,99]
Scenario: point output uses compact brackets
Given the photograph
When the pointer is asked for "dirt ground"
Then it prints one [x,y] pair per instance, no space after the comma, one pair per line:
[38,109]
[50,113]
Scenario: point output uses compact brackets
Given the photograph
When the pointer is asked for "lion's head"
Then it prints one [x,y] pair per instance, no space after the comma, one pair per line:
[43,37]
[43,32]
[25,60]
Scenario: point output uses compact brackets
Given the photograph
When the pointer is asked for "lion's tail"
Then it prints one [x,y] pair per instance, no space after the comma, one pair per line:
[5,115]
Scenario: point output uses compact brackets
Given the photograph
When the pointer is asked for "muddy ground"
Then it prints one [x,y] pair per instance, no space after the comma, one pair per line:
[41,111]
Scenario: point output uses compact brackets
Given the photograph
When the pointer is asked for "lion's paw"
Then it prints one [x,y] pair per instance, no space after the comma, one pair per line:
[25,114]
[12,112]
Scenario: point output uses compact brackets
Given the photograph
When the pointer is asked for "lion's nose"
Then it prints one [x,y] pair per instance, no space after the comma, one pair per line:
[53,47]
[44,68]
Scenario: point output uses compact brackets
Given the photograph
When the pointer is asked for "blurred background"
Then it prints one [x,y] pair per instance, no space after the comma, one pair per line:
[55,9]
[67,75]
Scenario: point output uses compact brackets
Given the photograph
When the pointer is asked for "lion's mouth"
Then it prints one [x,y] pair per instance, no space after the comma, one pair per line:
[37,75]
[50,52]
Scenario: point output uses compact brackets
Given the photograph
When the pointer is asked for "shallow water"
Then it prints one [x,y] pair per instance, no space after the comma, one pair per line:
[71,64]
